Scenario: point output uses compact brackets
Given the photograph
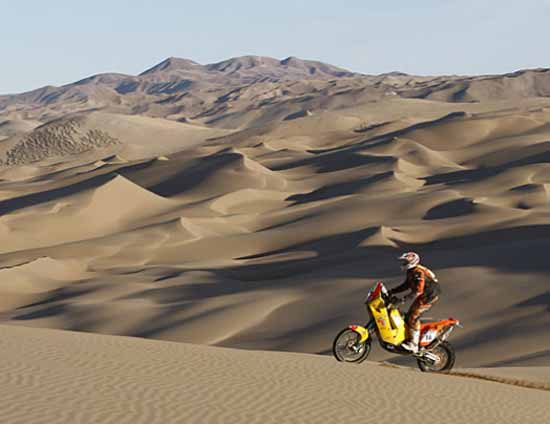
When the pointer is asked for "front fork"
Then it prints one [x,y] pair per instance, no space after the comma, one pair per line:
[369,327]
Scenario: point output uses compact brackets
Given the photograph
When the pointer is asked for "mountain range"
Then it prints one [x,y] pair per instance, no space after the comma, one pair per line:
[249,90]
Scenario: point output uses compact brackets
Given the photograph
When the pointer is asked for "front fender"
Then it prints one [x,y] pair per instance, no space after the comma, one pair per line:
[362,331]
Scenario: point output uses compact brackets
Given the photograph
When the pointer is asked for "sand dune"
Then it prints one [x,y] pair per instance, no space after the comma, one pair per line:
[81,215]
[60,377]
[105,135]
[194,212]
[326,223]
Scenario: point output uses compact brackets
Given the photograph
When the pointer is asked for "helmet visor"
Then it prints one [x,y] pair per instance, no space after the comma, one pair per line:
[404,262]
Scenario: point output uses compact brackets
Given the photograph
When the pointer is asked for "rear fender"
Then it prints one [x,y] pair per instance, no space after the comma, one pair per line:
[362,331]
[438,325]
[433,333]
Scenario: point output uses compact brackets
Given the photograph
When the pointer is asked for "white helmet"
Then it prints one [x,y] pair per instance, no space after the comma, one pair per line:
[409,260]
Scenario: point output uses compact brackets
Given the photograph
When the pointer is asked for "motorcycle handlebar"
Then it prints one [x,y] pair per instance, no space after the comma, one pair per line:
[395,301]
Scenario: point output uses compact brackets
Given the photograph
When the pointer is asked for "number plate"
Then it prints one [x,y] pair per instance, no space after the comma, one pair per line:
[429,336]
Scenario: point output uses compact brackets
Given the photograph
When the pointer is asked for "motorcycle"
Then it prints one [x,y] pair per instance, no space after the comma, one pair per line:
[354,343]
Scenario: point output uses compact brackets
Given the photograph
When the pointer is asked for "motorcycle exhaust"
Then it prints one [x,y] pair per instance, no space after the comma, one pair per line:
[427,356]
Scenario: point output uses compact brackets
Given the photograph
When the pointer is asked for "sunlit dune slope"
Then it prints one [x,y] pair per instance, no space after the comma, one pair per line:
[62,377]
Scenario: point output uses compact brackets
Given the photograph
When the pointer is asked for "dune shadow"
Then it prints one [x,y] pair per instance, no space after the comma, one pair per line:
[522,360]
[540,300]
[337,161]
[451,209]
[191,292]
[337,190]
[517,249]
[14,204]
[44,312]
[397,133]
[193,174]
[482,173]
[500,331]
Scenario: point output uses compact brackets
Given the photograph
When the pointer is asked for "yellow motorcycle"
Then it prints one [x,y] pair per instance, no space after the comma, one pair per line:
[353,344]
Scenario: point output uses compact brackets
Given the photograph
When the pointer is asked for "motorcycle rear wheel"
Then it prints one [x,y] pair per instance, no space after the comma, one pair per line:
[446,354]
[346,347]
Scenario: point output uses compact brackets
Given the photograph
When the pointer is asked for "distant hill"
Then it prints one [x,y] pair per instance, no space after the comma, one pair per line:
[176,88]
[254,90]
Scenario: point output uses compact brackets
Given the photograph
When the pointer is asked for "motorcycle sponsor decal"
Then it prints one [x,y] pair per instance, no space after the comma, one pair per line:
[381,321]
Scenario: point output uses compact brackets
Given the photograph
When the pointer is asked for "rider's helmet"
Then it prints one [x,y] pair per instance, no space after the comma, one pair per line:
[409,260]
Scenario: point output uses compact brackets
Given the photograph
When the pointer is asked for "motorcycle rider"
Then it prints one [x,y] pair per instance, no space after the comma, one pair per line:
[424,287]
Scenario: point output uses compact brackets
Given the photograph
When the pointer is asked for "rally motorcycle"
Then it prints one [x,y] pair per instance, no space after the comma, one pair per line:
[353,344]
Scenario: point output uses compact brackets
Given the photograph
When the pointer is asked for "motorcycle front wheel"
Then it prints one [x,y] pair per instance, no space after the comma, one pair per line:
[446,359]
[347,348]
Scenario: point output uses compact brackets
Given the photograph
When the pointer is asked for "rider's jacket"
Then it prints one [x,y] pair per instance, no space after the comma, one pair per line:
[422,281]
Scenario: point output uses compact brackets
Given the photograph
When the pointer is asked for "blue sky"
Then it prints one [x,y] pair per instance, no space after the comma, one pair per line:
[58,41]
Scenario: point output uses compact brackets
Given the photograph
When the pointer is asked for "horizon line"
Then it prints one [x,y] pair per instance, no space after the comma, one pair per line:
[539,68]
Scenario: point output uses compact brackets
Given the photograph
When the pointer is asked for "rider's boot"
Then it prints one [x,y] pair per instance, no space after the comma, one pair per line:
[412,344]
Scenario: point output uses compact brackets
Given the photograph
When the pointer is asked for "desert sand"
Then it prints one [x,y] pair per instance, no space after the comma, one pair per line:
[50,376]
[251,204]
